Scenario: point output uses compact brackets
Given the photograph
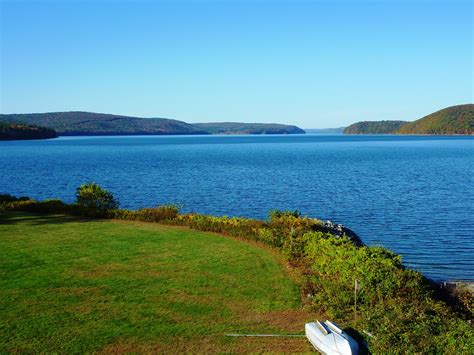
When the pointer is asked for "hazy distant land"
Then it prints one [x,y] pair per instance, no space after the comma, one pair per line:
[338,130]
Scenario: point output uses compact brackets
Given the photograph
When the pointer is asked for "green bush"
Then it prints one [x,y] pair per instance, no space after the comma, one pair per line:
[394,303]
[95,200]
[46,206]
[10,198]
[158,214]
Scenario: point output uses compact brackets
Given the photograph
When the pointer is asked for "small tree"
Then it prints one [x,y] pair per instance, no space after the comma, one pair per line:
[95,199]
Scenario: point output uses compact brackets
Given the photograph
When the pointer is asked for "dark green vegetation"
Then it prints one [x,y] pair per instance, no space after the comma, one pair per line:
[452,120]
[75,285]
[374,127]
[89,123]
[248,128]
[94,198]
[18,131]
[405,312]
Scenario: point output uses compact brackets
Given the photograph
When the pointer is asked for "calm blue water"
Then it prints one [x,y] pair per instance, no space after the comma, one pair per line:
[414,195]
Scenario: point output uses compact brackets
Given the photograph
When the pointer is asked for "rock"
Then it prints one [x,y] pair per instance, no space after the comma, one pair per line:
[339,230]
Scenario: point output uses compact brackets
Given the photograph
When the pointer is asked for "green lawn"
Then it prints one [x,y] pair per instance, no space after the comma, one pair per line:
[71,285]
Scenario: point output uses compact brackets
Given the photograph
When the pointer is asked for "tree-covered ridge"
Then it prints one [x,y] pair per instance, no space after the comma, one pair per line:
[374,127]
[452,120]
[248,128]
[89,123]
[17,131]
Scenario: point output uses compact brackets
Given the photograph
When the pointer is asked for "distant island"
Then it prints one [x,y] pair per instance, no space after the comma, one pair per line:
[79,123]
[15,131]
[454,120]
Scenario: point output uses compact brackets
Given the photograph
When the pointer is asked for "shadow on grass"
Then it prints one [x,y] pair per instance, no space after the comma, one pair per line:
[39,219]
[363,349]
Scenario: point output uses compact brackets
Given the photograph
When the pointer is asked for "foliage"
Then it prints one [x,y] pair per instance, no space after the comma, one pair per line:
[452,120]
[9,198]
[89,123]
[248,128]
[20,131]
[394,303]
[95,200]
[156,214]
[374,127]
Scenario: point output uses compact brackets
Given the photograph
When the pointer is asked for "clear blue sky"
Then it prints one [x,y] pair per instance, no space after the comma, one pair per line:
[310,63]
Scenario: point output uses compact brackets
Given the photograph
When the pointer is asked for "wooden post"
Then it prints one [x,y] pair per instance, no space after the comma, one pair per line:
[356,288]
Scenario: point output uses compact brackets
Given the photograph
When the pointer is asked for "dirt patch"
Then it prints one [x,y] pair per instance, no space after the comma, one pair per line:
[208,344]
[172,345]
[291,321]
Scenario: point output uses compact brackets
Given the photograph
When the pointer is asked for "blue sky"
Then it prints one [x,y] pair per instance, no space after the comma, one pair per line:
[311,63]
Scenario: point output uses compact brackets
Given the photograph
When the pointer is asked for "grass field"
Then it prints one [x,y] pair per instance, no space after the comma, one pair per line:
[72,285]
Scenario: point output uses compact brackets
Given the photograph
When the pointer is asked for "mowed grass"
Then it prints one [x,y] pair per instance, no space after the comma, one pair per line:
[72,285]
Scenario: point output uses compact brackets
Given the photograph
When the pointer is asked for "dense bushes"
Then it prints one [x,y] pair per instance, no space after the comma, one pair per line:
[157,214]
[94,199]
[395,304]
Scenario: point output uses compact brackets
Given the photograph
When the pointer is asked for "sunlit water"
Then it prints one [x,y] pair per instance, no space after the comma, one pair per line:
[413,195]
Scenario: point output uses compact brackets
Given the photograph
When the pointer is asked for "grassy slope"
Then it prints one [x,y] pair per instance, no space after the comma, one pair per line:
[73,286]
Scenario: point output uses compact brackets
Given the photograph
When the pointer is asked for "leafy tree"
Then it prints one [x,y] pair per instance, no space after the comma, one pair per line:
[94,198]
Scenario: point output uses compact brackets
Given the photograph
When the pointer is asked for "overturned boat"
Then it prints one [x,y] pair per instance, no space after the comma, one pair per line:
[328,338]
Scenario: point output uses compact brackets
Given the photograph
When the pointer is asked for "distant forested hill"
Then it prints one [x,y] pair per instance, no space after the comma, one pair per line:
[17,131]
[89,123]
[374,127]
[248,128]
[452,120]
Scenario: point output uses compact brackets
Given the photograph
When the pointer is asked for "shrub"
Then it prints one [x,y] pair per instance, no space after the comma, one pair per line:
[95,200]
[46,206]
[157,214]
[10,198]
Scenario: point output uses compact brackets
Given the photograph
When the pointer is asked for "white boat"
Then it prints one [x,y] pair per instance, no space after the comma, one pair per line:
[328,338]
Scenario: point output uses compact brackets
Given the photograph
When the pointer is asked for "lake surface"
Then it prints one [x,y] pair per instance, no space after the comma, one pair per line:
[413,195]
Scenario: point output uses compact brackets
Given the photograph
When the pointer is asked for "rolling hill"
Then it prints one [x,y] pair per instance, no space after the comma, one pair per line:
[248,128]
[374,127]
[452,120]
[78,123]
